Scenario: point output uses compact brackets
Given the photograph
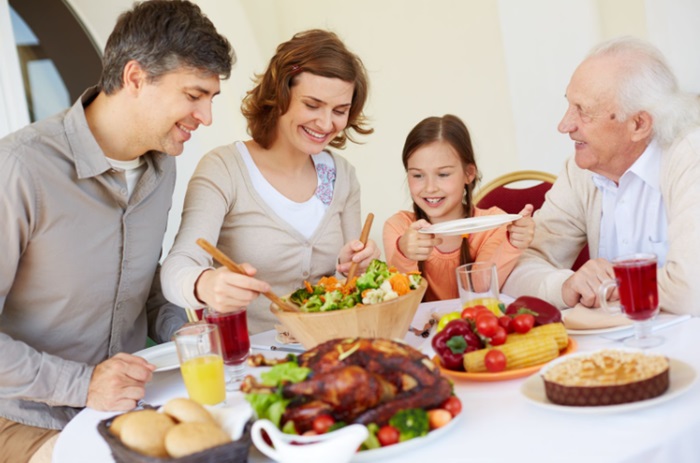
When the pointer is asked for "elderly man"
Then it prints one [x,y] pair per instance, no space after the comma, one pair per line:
[632,185]
[84,199]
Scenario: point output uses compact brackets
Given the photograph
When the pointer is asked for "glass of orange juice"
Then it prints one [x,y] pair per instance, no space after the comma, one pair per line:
[201,363]
[478,285]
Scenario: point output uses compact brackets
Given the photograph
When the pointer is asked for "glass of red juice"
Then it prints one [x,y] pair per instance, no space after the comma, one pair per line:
[233,328]
[635,279]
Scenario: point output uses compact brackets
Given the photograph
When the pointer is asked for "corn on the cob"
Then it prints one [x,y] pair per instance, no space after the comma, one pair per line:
[524,353]
[556,330]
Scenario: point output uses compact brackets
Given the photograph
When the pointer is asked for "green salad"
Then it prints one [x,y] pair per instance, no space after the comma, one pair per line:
[379,283]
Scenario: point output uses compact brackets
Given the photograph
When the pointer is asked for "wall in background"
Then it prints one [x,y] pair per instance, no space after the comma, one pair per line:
[501,65]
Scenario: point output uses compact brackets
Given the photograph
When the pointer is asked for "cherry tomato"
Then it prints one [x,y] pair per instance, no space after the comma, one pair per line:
[523,323]
[452,405]
[495,360]
[506,322]
[499,336]
[322,423]
[471,312]
[487,324]
[438,417]
[387,435]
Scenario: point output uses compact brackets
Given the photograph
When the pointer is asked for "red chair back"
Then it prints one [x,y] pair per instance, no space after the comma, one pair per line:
[512,200]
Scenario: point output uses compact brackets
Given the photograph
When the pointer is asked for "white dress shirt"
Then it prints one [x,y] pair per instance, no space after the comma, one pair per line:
[633,213]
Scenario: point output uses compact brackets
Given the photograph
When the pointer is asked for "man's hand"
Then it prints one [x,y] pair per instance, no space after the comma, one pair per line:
[417,246]
[583,285]
[119,383]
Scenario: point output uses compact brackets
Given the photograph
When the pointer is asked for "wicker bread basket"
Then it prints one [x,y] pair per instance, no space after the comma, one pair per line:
[233,452]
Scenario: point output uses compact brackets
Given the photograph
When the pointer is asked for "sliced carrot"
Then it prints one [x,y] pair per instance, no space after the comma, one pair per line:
[400,284]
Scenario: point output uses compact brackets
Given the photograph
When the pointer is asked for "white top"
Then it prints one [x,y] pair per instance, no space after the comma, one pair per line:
[623,230]
[306,216]
[132,170]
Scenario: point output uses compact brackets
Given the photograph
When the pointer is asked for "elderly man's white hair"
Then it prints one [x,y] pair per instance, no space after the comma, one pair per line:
[648,84]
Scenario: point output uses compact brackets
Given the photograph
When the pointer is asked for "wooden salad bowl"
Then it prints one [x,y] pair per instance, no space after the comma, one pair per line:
[390,320]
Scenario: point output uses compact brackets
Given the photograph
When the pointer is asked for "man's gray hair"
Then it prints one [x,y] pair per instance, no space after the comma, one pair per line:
[648,84]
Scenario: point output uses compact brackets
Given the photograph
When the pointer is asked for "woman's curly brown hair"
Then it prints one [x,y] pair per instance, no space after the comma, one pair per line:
[318,52]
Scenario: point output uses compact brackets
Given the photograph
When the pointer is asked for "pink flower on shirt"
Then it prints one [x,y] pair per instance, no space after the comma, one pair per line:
[326,180]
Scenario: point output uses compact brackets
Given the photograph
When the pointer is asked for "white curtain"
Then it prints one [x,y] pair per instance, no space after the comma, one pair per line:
[13,104]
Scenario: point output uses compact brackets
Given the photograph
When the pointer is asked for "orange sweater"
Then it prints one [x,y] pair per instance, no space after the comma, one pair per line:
[491,245]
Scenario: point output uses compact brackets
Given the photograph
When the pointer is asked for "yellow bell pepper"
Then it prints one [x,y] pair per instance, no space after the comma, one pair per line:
[447,318]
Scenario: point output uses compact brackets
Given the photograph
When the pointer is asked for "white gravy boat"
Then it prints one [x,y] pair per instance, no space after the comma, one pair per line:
[338,446]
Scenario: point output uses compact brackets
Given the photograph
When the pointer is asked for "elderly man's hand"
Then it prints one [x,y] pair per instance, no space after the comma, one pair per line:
[119,383]
[583,285]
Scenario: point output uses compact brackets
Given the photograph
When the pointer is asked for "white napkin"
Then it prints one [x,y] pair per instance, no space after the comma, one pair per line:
[584,318]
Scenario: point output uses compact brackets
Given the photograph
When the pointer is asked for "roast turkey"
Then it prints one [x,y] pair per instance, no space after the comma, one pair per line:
[362,380]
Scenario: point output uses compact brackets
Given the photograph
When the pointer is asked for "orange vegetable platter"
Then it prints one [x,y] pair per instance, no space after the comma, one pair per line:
[481,345]
[504,375]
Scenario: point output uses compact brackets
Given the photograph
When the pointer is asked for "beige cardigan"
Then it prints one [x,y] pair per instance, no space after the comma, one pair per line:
[223,207]
[571,216]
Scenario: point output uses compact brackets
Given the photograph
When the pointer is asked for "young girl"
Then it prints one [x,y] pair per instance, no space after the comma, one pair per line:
[442,173]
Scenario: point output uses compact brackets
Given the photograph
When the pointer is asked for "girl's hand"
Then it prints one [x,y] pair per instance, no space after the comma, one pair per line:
[355,251]
[417,246]
[522,231]
[226,291]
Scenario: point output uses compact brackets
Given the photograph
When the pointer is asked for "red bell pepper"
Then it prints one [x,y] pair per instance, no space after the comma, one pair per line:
[455,339]
[543,311]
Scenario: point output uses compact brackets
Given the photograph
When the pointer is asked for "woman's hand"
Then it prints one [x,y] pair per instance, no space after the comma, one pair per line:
[417,246]
[226,291]
[355,251]
[522,231]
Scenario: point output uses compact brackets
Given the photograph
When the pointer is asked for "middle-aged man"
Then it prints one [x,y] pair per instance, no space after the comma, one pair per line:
[84,200]
[633,184]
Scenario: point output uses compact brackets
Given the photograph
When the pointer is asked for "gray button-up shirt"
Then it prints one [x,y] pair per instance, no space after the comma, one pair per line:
[78,264]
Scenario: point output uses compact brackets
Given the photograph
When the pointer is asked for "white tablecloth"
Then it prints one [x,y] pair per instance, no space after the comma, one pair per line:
[498,423]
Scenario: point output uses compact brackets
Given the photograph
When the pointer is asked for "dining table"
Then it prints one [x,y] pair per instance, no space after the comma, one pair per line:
[499,421]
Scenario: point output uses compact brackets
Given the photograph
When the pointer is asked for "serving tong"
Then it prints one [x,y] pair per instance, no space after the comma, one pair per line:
[224,260]
[363,239]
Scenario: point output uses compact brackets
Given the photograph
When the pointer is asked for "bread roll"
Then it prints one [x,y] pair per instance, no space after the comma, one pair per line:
[116,427]
[188,438]
[144,431]
[187,411]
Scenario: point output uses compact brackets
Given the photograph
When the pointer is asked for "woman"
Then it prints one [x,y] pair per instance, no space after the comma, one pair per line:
[280,202]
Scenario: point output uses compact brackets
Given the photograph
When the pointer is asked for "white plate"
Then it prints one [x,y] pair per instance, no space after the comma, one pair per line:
[402,447]
[163,356]
[662,320]
[612,329]
[470,225]
[682,376]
